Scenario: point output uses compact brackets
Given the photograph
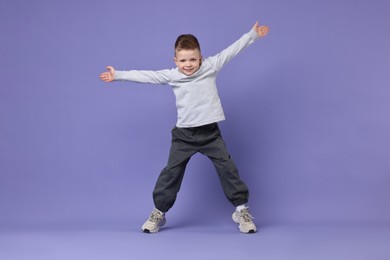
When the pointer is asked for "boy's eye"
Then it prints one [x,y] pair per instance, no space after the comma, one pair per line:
[185,60]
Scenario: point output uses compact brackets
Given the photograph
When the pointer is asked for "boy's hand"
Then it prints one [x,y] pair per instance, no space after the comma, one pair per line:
[261,30]
[108,76]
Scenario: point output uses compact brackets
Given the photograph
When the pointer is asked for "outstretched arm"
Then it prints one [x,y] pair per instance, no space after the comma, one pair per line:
[262,30]
[140,76]
[247,39]
[108,76]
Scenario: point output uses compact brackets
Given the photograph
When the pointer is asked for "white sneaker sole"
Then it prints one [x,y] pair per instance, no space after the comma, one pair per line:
[149,230]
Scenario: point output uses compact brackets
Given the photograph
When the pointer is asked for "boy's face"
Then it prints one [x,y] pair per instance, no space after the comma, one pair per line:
[188,61]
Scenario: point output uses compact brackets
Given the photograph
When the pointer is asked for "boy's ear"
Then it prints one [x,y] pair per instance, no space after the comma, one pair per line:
[176,62]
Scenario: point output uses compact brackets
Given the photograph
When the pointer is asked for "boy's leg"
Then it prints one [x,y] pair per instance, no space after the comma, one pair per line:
[234,188]
[169,181]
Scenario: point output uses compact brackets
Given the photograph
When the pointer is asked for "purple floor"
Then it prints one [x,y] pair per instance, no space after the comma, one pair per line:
[312,242]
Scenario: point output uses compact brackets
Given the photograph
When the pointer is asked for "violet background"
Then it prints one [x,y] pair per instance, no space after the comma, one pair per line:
[307,111]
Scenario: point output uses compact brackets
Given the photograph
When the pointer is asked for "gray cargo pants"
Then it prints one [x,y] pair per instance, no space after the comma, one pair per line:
[186,142]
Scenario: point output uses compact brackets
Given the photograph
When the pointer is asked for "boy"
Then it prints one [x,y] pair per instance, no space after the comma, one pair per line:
[199,111]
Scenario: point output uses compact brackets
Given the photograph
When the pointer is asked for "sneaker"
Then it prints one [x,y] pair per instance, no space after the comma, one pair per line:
[244,219]
[155,221]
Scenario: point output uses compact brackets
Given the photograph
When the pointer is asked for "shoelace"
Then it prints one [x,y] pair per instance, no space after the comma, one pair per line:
[246,215]
[155,217]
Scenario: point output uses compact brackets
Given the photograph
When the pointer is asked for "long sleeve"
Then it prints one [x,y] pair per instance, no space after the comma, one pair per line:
[144,76]
[219,60]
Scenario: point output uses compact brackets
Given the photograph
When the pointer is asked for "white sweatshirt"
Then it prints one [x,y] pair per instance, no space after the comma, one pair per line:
[197,99]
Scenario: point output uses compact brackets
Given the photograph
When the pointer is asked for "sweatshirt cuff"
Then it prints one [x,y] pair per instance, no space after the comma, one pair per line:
[253,34]
[118,75]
